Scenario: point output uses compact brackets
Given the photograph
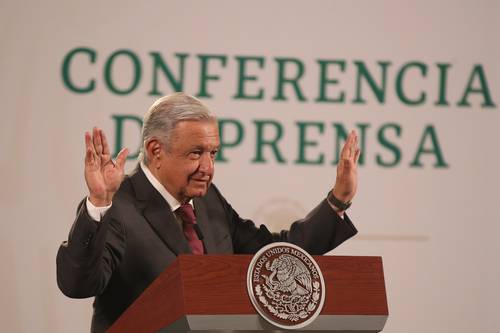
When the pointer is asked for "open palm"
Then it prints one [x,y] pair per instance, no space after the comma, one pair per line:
[347,170]
[102,175]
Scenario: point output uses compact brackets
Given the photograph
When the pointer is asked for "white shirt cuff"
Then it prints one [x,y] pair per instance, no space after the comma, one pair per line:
[336,210]
[96,213]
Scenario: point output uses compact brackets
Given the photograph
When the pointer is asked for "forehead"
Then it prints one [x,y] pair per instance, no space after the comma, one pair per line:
[195,132]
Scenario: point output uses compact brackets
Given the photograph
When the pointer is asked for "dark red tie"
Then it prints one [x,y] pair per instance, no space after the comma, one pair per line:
[186,213]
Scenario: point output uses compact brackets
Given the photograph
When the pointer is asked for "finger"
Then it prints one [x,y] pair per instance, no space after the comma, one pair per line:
[97,141]
[345,149]
[89,148]
[356,156]
[89,157]
[88,141]
[121,158]
[355,147]
[351,144]
[105,155]
[105,146]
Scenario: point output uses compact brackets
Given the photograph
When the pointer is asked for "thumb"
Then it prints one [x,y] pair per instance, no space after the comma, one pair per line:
[121,158]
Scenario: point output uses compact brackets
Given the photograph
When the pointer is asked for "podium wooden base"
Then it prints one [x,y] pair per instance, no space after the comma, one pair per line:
[208,294]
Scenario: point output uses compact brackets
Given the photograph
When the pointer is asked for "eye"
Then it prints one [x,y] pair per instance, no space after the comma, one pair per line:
[195,154]
[213,153]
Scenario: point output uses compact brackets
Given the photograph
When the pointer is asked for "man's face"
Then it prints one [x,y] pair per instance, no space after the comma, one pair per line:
[187,165]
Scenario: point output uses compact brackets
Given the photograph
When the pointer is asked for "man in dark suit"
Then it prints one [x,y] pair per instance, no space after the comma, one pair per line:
[129,229]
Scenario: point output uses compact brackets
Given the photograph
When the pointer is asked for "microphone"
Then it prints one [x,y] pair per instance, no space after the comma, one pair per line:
[198,231]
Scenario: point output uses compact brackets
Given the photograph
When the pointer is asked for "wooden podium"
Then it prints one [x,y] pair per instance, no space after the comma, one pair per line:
[209,294]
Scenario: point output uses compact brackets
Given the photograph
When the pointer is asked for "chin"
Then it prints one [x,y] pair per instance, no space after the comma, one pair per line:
[199,191]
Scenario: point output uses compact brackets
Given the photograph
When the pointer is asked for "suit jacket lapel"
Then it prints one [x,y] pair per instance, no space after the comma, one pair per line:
[204,223]
[158,214]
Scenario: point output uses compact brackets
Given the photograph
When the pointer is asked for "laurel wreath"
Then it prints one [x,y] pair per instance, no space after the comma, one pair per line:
[311,306]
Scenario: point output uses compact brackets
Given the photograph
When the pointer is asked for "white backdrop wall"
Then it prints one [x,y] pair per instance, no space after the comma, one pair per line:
[419,80]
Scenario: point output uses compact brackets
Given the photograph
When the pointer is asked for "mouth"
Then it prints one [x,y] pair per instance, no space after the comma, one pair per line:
[201,181]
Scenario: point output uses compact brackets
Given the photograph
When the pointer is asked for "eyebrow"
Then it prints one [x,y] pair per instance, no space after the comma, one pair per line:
[203,147]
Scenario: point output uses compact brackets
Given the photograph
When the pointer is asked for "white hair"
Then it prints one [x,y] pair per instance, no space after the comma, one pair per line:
[165,113]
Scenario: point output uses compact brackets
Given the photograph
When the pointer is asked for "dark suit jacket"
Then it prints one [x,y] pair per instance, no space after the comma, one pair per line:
[116,259]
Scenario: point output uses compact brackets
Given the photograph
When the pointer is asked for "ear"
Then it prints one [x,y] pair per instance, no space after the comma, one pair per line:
[154,152]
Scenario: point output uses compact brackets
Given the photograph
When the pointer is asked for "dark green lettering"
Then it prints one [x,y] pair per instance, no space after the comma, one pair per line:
[108,72]
[303,143]
[483,88]
[399,83]
[272,143]
[119,124]
[378,90]
[443,77]
[204,76]
[293,81]
[224,142]
[66,69]
[382,139]
[243,77]
[324,80]
[177,84]
[434,149]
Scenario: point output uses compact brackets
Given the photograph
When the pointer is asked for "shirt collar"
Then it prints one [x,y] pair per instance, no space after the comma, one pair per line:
[173,203]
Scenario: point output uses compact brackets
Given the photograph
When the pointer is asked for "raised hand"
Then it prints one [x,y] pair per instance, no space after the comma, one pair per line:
[346,182]
[102,175]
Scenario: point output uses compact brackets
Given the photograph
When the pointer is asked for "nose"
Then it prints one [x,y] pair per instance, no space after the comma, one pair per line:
[206,164]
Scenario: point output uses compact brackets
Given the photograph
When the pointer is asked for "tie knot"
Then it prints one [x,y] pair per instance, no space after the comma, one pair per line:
[186,213]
